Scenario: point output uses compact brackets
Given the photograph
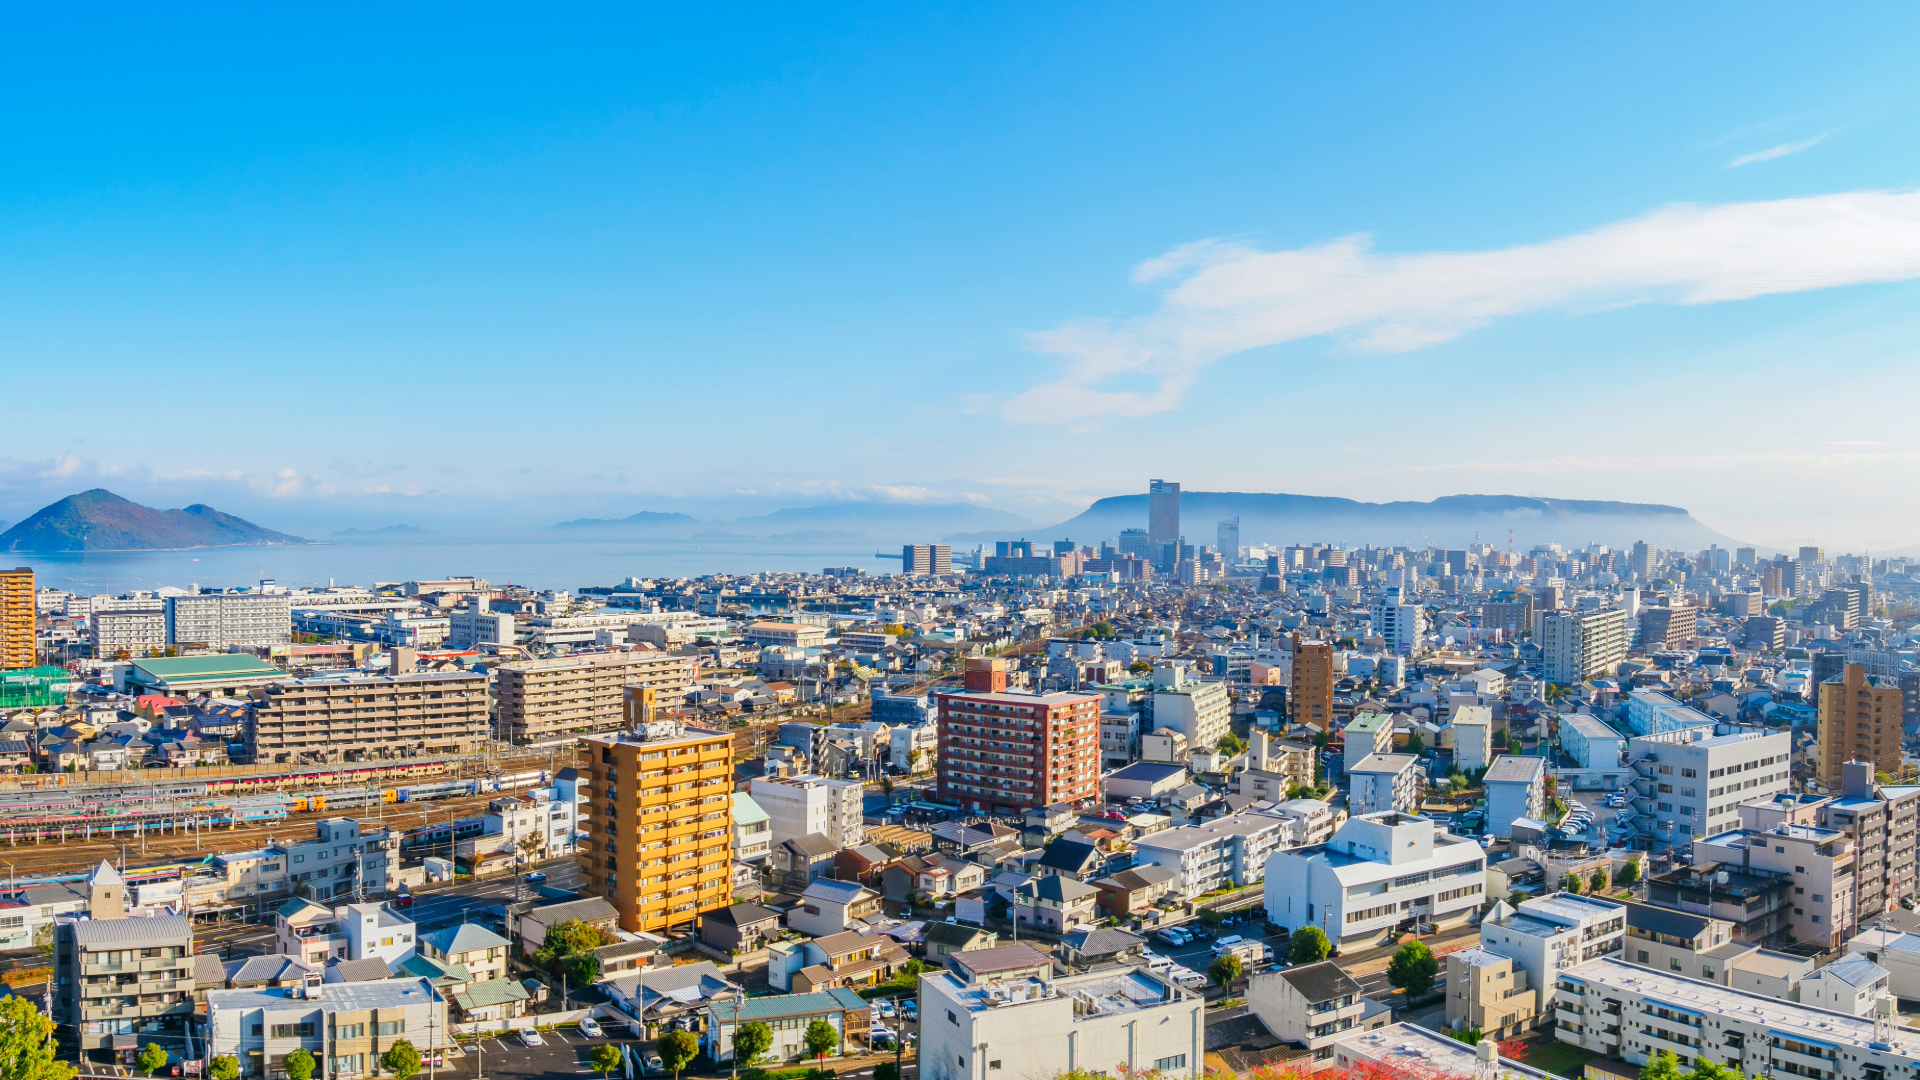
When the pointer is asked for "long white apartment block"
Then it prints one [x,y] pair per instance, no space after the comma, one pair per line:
[1630,1012]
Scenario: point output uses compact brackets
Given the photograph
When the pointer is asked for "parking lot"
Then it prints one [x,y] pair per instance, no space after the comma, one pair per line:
[1197,954]
[565,1054]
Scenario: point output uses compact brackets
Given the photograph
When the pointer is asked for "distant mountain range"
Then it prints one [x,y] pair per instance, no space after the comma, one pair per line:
[386,530]
[1452,521]
[884,523]
[99,520]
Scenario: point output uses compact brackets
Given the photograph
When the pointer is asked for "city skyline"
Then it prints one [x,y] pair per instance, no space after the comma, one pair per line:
[1256,249]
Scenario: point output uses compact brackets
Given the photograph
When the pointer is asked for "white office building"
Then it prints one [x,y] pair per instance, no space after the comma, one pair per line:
[1028,1025]
[1380,873]
[1472,737]
[1516,788]
[1399,621]
[797,806]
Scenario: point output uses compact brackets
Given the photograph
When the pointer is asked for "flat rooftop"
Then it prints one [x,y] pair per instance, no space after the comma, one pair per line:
[1788,1018]
[1427,1053]
[1101,993]
[1572,908]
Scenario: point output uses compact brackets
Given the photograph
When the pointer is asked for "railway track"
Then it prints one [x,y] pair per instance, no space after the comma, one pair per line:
[78,853]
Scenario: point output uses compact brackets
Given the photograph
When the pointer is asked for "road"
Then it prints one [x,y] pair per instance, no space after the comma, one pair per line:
[566,1051]
[433,908]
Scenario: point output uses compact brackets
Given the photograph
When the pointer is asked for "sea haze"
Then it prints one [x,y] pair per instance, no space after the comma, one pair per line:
[557,563]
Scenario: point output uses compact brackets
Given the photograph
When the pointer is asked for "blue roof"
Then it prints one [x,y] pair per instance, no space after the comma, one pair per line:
[1147,770]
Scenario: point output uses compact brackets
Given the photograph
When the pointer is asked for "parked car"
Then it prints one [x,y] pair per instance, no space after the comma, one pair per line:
[589,1027]
[650,1062]
[1174,936]
[529,1037]
[883,1007]
[910,1009]
[1227,943]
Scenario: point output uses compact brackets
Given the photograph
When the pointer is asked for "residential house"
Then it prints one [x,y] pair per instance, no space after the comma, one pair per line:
[375,931]
[850,959]
[739,928]
[1135,891]
[1076,859]
[1056,904]
[942,939]
[803,858]
[788,1016]
[829,907]
[650,1001]
[309,931]
[481,951]
[534,923]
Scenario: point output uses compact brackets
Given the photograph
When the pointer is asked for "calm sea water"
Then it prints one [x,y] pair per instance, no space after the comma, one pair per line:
[540,564]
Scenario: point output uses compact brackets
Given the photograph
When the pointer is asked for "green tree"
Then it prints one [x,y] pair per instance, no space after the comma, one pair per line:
[1598,881]
[1102,629]
[1229,744]
[1570,882]
[583,969]
[1416,745]
[1513,743]
[298,1065]
[676,1048]
[564,939]
[1139,667]
[1309,946]
[886,1070]
[402,1059]
[153,1058]
[1224,970]
[27,1047]
[1458,783]
[1413,968]
[1630,873]
[1662,1066]
[750,1040]
[1713,1070]
[1516,898]
[605,1058]
[820,1038]
[225,1067]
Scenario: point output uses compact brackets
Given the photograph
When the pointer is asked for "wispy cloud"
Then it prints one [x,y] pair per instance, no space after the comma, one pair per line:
[1780,151]
[1229,297]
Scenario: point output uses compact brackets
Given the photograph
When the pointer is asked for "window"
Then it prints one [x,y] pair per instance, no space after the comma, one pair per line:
[293,1031]
[1177,1061]
[952,1019]
[1674,963]
[1706,972]
[390,1027]
[1643,956]
[994,1065]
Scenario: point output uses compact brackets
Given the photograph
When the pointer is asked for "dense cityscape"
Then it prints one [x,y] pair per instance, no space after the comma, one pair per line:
[1204,807]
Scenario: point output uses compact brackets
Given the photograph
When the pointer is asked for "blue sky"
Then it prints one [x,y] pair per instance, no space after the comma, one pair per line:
[465,264]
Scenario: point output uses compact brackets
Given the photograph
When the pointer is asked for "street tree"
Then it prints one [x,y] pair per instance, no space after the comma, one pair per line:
[750,1040]
[820,1038]
[298,1065]
[1413,968]
[153,1058]
[225,1067]
[605,1058]
[1309,946]
[27,1047]
[1224,970]
[676,1048]
[402,1059]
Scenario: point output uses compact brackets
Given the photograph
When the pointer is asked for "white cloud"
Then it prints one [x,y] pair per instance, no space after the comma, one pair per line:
[1227,297]
[1780,151]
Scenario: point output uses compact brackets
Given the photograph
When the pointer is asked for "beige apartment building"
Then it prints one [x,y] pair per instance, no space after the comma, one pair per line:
[357,716]
[1859,721]
[658,803]
[1489,994]
[16,618]
[555,700]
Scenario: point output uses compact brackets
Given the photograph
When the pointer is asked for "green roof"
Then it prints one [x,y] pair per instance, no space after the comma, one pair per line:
[746,811]
[1370,721]
[492,992]
[178,669]
[777,1006]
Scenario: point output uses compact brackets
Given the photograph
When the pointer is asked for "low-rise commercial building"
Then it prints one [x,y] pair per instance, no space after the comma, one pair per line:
[977,1023]
[1549,934]
[345,1026]
[1379,874]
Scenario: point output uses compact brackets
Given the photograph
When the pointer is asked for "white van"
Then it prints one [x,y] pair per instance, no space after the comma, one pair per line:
[1226,944]
[1188,978]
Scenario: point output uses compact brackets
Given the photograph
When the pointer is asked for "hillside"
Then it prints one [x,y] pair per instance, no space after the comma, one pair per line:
[1451,521]
[99,520]
[886,523]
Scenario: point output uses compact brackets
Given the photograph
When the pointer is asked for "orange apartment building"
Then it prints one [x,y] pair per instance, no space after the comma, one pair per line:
[1310,697]
[16,618]
[658,803]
